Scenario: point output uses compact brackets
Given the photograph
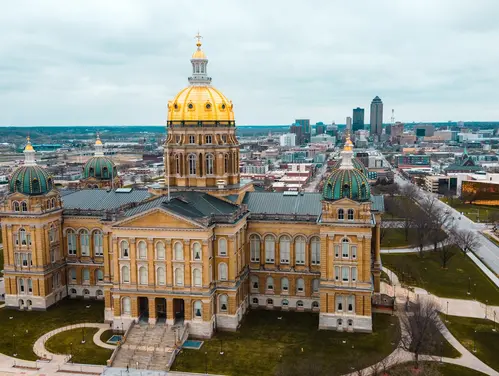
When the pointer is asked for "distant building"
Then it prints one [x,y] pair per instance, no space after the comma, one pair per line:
[440,184]
[358,119]
[306,129]
[288,139]
[298,131]
[424,130]
[376,117]
[412,160]
[463,164]
[396,130]
[320,128]
[349,124]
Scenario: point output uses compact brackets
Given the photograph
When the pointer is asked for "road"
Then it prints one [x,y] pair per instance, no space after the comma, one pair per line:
[312,186]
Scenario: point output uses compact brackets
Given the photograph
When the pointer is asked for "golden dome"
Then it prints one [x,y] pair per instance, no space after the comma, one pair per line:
[199,54]
[28,147]
[200,103]
[348,144]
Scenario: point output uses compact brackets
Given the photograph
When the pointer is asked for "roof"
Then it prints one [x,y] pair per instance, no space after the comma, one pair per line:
[30,180]
[456,167]
[378,203]
[101,199]
[279,203]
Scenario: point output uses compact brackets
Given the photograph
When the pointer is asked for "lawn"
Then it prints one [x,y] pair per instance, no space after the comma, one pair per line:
[491,238]
[69,342]
[444,369]
[453,282]
[266,344]
[473,212]
[397,207]
[104,337]
[20,333]
[486,340]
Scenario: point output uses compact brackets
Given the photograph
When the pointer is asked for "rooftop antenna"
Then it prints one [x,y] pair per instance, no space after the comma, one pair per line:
[393,116]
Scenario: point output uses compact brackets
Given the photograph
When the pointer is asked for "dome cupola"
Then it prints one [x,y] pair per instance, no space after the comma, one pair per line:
[30,179]
[99,166]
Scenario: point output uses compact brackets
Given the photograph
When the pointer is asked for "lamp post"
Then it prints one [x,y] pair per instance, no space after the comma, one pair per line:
[494,321]
[221,348]
[447,314]
[71,351]
[486,304]
[469,286]
[83,334]
[14,343]
[474,341]
[206,362]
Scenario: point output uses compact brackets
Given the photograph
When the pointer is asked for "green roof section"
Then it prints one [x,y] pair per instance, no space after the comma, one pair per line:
[101,168]
[378,203]
[102,199]
[295,203]
[30,180]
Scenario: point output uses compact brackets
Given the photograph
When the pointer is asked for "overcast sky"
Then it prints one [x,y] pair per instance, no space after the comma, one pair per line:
[119,62]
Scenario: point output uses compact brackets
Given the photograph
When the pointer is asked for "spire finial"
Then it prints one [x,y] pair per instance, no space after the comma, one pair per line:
[198,42]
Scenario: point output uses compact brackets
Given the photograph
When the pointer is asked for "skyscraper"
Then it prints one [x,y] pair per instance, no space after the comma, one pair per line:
[376,117]
[358,119]
[349,124]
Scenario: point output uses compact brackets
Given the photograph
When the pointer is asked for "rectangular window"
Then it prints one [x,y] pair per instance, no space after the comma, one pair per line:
[284,250]
[345,249]
[52,256]
[344,273]
[300,252]
[336,251]
[351,303]
[339,303]
[25,259]
[86,275]
[354,274]
[73,275]
[316,253]
[354,251]
[337,273]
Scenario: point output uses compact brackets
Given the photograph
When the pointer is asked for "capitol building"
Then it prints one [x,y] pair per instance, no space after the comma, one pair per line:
[203,248]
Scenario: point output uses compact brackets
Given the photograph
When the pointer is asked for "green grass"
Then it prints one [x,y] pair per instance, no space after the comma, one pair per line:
[265,344]
[486,340]
[86,353]
[473,212]
[426,272]
[397,207]
[395,238]
[443,369]
[104,337]
[20,333]
[491,238]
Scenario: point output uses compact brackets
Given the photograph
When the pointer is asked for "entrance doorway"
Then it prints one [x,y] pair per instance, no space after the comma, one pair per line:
[143,310]
[178,309]
[160,310]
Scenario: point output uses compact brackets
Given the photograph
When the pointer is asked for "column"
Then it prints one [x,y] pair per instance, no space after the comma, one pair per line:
[38,245]
[188,309]
[277,252]
[152,309]
[292,254]
[187,263]
[116,255]
[10,245]
[206,262]
[169,268]
[107,265]
[135,306]
[7,249]
[151,277]
[325,260]
[170,315]
[262,251]
[133,264]
[231,247]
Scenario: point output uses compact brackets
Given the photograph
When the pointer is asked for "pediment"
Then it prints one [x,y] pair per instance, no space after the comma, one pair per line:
[158,218]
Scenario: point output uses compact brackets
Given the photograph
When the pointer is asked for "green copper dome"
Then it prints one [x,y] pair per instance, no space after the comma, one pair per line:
[101,168]
[357,164]
[347,183]
[30,180]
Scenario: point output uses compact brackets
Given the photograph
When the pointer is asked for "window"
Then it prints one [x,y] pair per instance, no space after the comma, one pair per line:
[86,275]
[208,139]
[354,251]
[192,139]
[339,303]
[52,234]
[53,203]
[196,251]
[179,277]
[255,248]
[285,302]
[315,305]
[315,245]
[198,309]
[284,245]
[341,214]
[209,164]
[177,163]
[224,303]
[350,214]
[255,300]
[160,251]
[16,206]
[315,285]
[300,250]
[24,206]
[160,273]
[23,238]
[354,274]
[345,248]
[222,271]
[30,285]
[222,247]
[254,282]
[226,164]
[179,251]
[98,249]
[99,275]
[192,164]
[284,285]
[124,249]
[127,306]
[269,249]
[71,243]
[344,273]
[143,275]
[337,273]
[351,303]
[196,274]
[299,304]
[142,250]
[125,274]
[300,285]
[72,275]
[21,286]
[84,243]
[270,283]
[336,251]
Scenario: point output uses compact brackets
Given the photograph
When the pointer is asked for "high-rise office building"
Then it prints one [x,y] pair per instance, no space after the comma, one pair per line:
[298,131]
[320,128]
[376,117]
[306,128]
[358,119]
[348,127]
[287,139]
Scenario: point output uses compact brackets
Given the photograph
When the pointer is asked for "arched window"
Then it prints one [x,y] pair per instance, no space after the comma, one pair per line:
[52,234]
[345,248]
[255,248]
[208,139]
[209,164]
[177,164]
[124,249]
[226,163]
[269,249]
[98,246]
[300,250]
[161,276]
[84,243]
[270,301]
[222,247]
[23,238]
[196,251]
[192,164]
[350,214]
[49,204]
[99,275]
[71,242]
[142,250]
[284,285]
[53,203]
[300,285]
[198,309]
[341,214]
[15,205]
[125,274]
[315,246]
[270,283]
[126,305]
[179,251]
[254,282]
[222,271]
[160,250]
[24,206]
[105,172]
[299,304]
[255,300]
[285,302]
[339,303]
[315,285]
[179,277]
[315,305]
[86,275]
[284,248]
[196,276]
[143,275]
[224,303]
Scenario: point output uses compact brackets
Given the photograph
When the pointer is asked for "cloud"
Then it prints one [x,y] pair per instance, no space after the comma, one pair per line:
[119,62]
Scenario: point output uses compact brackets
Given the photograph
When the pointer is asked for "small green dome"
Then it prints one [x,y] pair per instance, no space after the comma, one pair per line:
[357,164]
[347,183]
[101,168]
[30,180]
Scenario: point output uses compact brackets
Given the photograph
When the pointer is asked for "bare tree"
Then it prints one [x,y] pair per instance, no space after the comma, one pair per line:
[420,328]
[408,195]
[447,249]
[439,219]
[466,240]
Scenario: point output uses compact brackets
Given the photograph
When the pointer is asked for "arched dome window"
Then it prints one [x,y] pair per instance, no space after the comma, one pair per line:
[192,164]
[105,172]
[346,190]
[35,185]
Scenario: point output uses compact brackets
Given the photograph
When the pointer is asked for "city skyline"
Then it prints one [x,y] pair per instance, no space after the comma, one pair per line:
[108,64]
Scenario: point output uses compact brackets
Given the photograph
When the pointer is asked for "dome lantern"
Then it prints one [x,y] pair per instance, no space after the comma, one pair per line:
[29,153]
[199,63]
[99,151]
